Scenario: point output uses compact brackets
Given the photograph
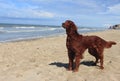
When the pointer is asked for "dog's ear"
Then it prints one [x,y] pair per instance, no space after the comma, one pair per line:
[73,26]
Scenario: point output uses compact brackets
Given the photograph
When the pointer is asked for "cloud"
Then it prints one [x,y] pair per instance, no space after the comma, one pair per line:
[48,8]
[112,10]
[26,11]
[90,12]
[30,13]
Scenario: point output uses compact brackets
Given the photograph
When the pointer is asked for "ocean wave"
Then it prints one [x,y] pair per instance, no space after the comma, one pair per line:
[20,39]
[24,27]
[56,29]
[16,33]
[1,27]
[2,31]
[29,30]
[87,29]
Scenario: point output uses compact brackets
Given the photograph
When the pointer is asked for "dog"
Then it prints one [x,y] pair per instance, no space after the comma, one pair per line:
[76,45]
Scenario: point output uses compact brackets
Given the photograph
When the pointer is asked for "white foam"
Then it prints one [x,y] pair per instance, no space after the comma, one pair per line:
[1,27]
[24,27]
[21,39]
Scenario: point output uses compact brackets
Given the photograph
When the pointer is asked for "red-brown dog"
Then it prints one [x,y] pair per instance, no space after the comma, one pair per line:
[77,44]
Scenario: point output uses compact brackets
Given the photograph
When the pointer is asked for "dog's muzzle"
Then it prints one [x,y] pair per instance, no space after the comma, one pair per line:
[63,25]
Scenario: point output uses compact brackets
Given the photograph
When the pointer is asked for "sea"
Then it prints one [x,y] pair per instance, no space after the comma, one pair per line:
[18,32]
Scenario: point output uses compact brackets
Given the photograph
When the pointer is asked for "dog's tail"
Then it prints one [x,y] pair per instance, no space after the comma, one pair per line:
[110,43]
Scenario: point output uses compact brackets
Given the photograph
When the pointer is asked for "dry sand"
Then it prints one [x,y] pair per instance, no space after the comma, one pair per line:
[46,60]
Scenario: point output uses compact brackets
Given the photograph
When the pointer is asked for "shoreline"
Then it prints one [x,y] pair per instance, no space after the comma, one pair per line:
[46,59]
[30,39]
[50,36]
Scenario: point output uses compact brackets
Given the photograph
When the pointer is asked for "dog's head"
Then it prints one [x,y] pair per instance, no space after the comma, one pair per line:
[68,24]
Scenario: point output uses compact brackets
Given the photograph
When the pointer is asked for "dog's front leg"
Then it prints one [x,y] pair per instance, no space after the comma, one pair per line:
[77,61]
[71,56]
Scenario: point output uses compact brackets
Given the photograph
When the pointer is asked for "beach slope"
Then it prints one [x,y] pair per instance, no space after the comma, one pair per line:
[46,60]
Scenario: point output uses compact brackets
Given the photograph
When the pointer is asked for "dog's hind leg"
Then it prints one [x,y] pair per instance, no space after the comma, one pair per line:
[94,53]
[101,56]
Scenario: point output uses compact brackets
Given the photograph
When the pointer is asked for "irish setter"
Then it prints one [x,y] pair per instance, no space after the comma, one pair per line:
[77,44]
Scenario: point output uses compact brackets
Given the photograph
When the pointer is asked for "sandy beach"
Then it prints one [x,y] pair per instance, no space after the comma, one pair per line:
[46,60]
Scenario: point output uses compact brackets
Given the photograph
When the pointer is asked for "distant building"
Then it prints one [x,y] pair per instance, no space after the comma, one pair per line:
[115,26]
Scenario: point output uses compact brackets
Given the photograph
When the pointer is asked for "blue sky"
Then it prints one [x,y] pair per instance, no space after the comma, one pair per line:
[93,13]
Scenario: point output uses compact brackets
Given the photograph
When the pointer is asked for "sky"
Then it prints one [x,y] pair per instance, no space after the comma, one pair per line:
[91,13]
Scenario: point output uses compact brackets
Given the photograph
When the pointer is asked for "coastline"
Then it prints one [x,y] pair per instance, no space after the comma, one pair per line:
[42,37]
[10,33]
[45,59]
